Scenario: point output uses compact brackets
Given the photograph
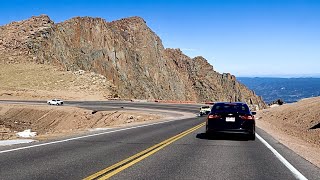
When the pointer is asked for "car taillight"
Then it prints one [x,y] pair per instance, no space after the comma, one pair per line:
[213,116]
[247,117]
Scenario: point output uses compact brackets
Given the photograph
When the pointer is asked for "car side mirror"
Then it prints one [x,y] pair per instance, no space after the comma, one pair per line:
[253,113]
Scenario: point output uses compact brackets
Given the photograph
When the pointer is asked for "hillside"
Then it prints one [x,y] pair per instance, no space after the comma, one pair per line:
[295,125]
[127,52]
[42,82]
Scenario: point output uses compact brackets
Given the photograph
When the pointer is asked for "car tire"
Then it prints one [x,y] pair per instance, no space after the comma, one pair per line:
[207,130]
[252,136]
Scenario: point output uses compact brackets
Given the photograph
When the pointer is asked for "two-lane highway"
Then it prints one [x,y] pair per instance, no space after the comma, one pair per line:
[165,150]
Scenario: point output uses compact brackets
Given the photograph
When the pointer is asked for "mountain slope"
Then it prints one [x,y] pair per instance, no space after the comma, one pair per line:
[296,125]
[127,52]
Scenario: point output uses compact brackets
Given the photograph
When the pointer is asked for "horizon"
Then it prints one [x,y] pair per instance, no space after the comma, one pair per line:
[285,76]
[246,38]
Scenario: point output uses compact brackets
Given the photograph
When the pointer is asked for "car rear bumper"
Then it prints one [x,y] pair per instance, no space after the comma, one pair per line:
[243,128]
[204,112]
[230,131]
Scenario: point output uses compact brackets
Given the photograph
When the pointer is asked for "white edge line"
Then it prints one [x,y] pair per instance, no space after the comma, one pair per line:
[81,137]
[294,171]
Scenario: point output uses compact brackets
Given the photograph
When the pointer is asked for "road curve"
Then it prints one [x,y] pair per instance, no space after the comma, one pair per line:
[191,155]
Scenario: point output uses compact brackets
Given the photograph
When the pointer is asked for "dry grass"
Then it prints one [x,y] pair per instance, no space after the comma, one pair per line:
[34,76]
[38,81]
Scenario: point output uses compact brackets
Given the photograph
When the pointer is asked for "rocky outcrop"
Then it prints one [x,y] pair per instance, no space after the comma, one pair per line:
[22,39]
[128,53]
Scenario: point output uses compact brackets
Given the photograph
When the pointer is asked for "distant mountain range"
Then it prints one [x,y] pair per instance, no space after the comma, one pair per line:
[288,89]
[313,75]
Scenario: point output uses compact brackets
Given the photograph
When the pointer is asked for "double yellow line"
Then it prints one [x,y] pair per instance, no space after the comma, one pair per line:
[120,166]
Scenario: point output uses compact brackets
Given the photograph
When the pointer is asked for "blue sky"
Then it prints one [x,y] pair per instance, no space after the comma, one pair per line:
[242,37]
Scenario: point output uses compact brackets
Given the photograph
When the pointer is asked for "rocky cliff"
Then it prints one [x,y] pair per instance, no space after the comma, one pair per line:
[127,52]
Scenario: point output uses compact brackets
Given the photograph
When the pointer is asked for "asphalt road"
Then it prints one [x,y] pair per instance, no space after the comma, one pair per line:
[191,155]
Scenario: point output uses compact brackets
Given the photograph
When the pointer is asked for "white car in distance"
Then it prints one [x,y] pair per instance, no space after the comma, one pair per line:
[57,102]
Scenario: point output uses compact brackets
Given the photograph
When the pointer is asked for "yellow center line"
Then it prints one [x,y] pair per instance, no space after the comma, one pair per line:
[120,166]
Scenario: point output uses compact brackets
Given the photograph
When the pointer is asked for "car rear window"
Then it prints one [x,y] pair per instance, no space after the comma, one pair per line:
[231,108]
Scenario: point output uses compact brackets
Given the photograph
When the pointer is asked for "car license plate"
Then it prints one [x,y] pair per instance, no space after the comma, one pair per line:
[230,119]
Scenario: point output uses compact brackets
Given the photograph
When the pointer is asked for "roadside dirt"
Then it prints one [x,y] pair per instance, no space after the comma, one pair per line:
[295,125]
[53,121]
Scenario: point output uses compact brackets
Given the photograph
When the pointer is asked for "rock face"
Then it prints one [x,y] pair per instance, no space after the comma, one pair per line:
[127,52]
[24,37]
